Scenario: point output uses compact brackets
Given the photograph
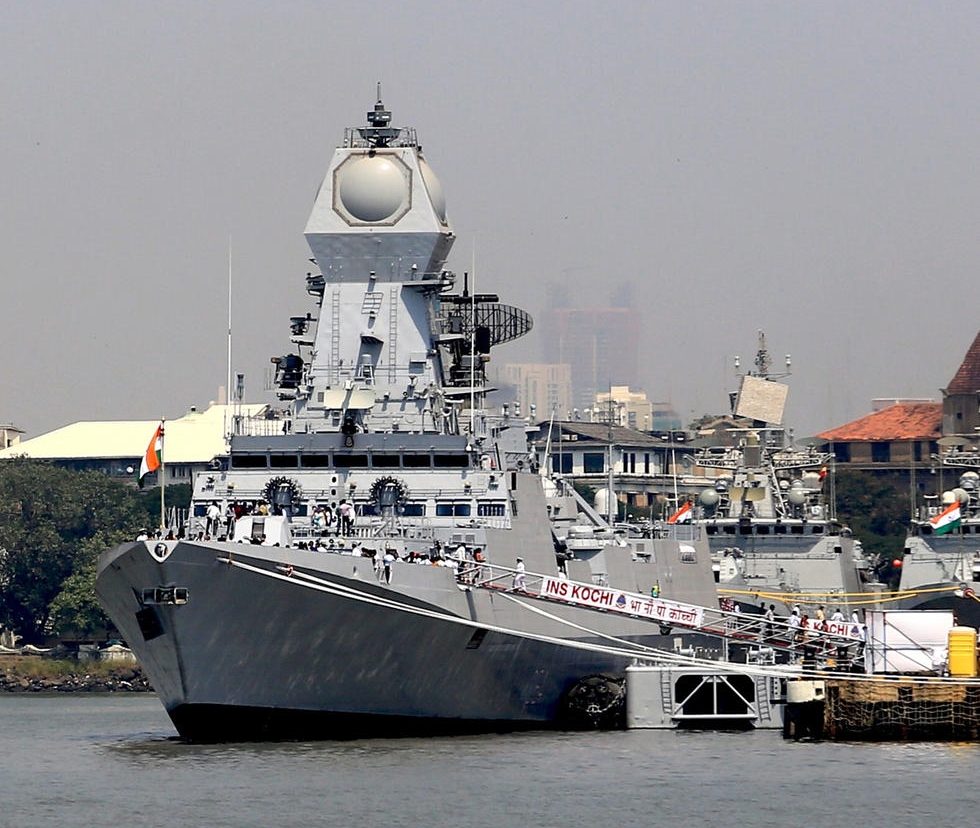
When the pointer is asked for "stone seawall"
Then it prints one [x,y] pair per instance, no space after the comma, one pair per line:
[46,676]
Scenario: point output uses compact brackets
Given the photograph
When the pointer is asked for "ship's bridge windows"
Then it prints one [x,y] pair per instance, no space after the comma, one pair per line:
[816,529]
[730,530]
[249,461]
[796,530]
[779,529]
[762,530]
[453,509]
[283,461]
[416,461]
[385,461]
[413,509]
[490,509]
[317,461]
[451,461]
[350,461]
[368,509]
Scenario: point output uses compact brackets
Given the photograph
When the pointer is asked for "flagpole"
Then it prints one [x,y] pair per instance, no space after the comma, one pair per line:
[163,482]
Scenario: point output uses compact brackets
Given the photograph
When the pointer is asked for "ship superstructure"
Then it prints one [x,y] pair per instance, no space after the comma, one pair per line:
[769,518]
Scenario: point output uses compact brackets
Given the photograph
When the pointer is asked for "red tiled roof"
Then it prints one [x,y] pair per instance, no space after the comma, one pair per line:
[902,421]
[967,378]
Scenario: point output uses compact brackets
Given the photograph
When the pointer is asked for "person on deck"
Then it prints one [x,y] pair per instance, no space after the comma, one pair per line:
[519,577]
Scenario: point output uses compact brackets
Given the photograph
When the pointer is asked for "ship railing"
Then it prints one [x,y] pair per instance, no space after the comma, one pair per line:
[688,532]
[249,427]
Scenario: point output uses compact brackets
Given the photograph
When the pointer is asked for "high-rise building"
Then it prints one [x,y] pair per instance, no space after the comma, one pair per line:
[601,345]
[546,387]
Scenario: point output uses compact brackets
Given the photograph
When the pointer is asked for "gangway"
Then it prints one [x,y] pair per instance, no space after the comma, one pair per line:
[839,641]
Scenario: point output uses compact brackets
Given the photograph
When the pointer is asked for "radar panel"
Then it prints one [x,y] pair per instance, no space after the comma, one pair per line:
[761,399]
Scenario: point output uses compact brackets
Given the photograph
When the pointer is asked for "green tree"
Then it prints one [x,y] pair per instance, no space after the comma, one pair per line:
[76,610]
[877,511]
[53,522]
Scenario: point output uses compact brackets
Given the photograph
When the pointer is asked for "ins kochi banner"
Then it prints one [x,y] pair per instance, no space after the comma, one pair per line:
[628,603]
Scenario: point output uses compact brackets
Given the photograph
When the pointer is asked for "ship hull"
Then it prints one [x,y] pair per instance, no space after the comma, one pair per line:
[285,643]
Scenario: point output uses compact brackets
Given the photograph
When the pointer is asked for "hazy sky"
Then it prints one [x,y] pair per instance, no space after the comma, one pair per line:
[810,169]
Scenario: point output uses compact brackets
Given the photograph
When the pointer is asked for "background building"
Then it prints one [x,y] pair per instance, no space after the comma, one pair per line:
[600,344]
[191,442]
[545,386]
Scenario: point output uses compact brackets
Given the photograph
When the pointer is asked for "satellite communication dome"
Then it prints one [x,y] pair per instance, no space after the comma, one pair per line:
[373,188]
[797,496]
[970,480]
[961,495]
[601,501]
[709,497]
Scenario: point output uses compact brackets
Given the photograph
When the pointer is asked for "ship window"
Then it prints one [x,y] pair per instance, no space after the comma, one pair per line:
[451,461]
[385,461]
[369,509]
[780,529]
[712,530]
[317,461]
[413,509]
[350,461]
[283,461]
[762,530]
[453,509]
[248,461]
[416,461]
[816,529]
[729,530]
[490,510]
[796,530]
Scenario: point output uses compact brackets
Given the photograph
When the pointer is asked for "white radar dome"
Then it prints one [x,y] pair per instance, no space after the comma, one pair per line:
[436,195]
[373,188]
[601,501]
[797,496]
[709,497]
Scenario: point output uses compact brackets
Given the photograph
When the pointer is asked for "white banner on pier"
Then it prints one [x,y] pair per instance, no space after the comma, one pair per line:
[588,595]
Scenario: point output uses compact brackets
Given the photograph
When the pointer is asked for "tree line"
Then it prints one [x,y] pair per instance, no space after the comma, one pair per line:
[54,524]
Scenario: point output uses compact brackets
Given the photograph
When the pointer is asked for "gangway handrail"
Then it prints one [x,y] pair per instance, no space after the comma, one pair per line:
[828,637]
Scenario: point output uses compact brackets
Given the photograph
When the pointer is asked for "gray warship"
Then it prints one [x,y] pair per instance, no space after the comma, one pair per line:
[941,567]
[770,518]
[380,557]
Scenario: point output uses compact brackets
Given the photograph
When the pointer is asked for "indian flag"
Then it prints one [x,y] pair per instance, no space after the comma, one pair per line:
[153,456]
[682,515]
[947,520]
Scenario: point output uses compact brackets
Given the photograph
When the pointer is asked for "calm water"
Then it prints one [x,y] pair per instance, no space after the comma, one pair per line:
[113,760]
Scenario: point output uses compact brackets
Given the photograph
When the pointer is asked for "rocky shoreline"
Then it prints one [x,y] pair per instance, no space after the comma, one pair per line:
[70,677]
